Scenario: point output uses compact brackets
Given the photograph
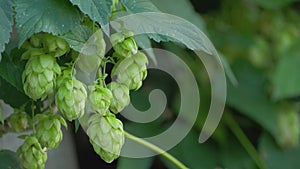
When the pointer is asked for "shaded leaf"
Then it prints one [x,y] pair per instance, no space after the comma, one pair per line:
[193,154]
[78,37]
[273,3]
[6,20]
[249,98]
[277,158]
[140,163]
[286,78]
[52,16]
[11,96]
[11,69]
[9,160]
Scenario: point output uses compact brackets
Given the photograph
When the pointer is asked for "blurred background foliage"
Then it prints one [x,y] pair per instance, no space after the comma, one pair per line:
[260,127]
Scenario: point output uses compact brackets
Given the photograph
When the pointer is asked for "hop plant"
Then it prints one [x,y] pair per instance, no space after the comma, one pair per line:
[71,96]
[48,130]
[106,135]
[120,98]
[131,71]
[124,43]
[19,121]
[32,154]
[100,98]
[40,74]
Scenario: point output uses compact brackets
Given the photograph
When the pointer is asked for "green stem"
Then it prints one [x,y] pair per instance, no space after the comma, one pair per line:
[156,149]
[243,139]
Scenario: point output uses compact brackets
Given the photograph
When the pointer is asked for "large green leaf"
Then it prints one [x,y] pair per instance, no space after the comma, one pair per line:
[250,99]
[165,27]
[140,163]
[53,16]
[286,77]
[277,158]
[9,160]
[98,10]
[78,37]
[6,20]
[138,6]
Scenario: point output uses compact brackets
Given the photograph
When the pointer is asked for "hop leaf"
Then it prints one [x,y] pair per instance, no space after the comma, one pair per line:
[120,98]
[48,130]
[124,44]
[131,71]
[32,154]
[19,121]
[106,135]
[100,98]
[40,74]
[71,96]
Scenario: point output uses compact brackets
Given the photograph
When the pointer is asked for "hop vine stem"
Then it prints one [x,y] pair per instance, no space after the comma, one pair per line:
[156,149]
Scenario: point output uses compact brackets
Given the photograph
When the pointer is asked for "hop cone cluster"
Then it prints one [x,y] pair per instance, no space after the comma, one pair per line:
[19,121]
[106,135]
[39,75]
[48,130]
[124,44]
[71,96]
[131,71]
[120,98]
[32,154]
[100,99]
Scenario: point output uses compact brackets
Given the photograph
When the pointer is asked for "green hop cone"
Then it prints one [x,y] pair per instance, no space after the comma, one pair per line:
[54,45]
[124,44]
[48,130]
[100,98]
[71,96]
[106,135]
[39,75]
[289,129]
[120,98]
[131,71]
[32,154]
[19,121]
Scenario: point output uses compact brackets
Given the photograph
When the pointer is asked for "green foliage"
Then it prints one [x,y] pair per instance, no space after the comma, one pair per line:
[9,160]
[38,16]
[6,19]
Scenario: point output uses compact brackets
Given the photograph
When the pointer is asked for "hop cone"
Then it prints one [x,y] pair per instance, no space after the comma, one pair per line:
[106,135]
[120,98]
[39,75]
[131,71]
[289,129]
[55,45]
[32,154]
[124,44]
[19,121]
[71,96]
[100,98]
[48,130]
